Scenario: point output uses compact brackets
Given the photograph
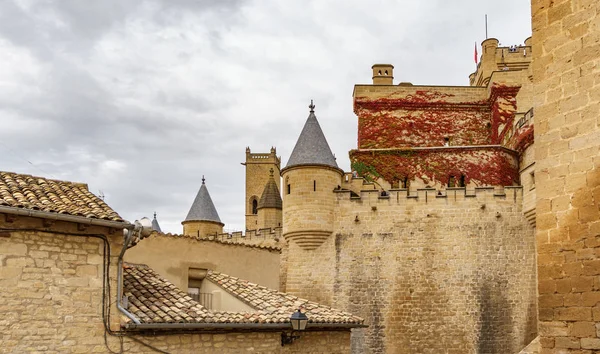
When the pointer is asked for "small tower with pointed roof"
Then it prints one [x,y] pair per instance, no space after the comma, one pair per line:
[155,225]
[202,219]
[270,205]
[309,179]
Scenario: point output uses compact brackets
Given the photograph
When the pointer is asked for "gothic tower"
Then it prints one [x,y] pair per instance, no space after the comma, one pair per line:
[258,166]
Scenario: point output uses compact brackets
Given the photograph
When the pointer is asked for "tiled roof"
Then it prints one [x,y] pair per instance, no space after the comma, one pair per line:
[226,241]
[270,197]
[203,208]
[153,299]
[39,193]
[312,147]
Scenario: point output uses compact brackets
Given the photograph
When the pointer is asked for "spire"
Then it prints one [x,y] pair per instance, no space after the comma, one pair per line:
[203,208]
[155,225]
[312,147]
[270,197]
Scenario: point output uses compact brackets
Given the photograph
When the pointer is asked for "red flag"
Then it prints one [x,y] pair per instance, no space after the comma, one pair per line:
[475,56]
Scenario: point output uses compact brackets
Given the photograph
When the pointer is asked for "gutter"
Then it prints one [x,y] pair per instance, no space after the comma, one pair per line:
[263,326]
[64,217]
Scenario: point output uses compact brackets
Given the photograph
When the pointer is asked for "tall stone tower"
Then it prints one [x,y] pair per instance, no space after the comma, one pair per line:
[309,179]
[202,219]
[270,205]
[258,166]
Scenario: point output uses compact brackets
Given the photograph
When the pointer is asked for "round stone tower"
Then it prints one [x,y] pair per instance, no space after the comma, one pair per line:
[309,179]
[202,219]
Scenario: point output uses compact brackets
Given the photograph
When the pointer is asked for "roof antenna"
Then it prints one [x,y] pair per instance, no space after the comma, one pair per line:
[312,107]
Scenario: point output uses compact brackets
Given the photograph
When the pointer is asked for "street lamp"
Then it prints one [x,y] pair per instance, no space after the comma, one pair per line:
[298,322]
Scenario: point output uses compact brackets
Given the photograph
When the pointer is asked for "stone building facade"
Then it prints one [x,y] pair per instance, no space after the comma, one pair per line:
[566,98]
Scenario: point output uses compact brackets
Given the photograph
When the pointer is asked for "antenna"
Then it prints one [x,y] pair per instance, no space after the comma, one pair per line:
[101,194]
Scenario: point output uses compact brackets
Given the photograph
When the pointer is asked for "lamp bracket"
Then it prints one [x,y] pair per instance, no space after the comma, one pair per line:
[288,338]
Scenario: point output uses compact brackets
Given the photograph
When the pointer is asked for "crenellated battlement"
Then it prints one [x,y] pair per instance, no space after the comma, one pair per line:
[510,194]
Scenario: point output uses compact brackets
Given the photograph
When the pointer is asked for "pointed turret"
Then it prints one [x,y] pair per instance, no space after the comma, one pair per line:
[310,177]
[270,205]
[312,147]
[155,225]
[202,219]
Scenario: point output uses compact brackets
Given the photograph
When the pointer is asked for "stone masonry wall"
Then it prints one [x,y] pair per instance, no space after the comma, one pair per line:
[566,44]
[51,288]
[449,274]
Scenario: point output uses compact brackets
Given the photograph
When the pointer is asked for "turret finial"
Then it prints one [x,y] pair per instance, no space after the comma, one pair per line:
[203,179]
[312,107]
[155,215]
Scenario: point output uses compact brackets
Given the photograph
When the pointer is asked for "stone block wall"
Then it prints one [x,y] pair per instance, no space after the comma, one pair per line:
[429,273]
[51,287]
[566,44]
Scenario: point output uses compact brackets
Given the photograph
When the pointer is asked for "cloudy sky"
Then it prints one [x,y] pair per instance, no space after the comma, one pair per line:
[139,99]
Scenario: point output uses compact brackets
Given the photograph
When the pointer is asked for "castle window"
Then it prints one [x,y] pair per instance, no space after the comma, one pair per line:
[314,186]
[461,181]
[386,73]
[451,182]
[289,188]
[254,206]
[532,174]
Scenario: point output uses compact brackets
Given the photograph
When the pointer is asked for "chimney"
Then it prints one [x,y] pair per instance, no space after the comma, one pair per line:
[383,74]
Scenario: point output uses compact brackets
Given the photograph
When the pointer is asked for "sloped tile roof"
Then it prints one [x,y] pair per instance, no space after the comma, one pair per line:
[226,241]
[312,147]
[62,197]
[203,208]
[270,197]
[153,299]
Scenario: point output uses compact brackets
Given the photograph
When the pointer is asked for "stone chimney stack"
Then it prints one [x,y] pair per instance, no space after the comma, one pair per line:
[383,74]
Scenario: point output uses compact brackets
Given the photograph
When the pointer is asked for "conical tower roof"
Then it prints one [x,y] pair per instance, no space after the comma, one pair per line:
[155,225]
[270,197]
[203,208]
[312,147]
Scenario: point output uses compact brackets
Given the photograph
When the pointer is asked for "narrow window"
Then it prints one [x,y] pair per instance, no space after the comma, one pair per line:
[451,182]
[532,174]
[288,189]
[461,182]
[254,207]
[314,186]
[405,182]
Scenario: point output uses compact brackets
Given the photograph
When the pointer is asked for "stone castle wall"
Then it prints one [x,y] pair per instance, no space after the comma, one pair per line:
[567,105]
[430,274]
[258,166]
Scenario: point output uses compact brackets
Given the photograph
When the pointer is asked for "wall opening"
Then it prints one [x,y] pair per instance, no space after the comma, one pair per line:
[254,206]
[289,189]
[314,186]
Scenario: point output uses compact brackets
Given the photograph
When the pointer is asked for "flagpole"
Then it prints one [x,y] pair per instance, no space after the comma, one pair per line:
[486,32]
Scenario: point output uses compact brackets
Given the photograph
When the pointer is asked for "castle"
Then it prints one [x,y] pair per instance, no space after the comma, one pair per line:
[431,237]
[463,227]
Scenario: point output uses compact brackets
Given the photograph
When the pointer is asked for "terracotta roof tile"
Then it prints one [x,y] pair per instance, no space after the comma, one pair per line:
[267,244]
[153,299]
[38,193]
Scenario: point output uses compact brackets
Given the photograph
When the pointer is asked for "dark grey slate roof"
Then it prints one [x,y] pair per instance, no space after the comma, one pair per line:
[312,147]
[155,225]
[203,208]
[270,197]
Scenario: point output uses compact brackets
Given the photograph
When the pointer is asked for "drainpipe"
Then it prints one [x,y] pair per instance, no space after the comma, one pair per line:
[139,228]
